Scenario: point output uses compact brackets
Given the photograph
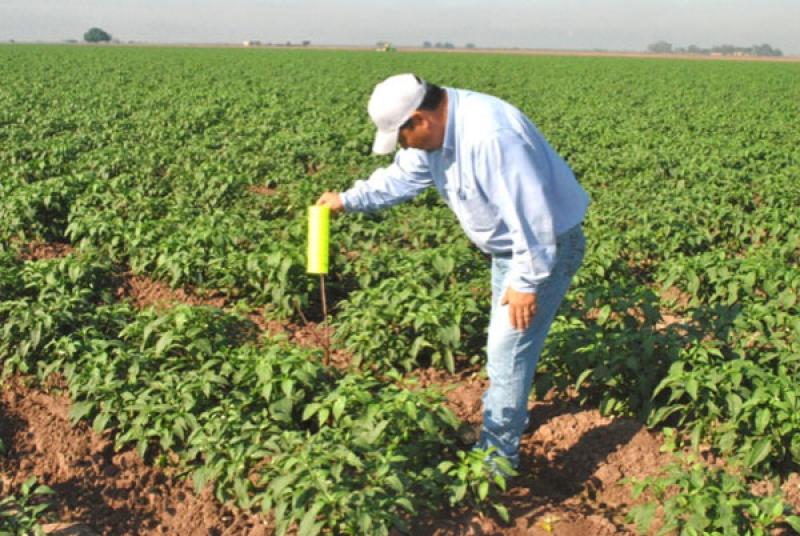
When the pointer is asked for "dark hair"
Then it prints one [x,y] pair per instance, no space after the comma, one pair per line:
[433,96]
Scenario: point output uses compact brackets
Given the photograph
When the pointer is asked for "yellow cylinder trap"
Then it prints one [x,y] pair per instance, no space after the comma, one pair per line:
[319,218]
[317,255]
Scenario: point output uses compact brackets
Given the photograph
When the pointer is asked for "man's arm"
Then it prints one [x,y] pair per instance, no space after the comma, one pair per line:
[404,179]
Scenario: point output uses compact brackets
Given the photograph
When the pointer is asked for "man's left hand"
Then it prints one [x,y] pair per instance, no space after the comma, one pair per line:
[521,307]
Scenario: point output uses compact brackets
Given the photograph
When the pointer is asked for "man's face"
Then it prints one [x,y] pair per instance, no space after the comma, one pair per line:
[416,133]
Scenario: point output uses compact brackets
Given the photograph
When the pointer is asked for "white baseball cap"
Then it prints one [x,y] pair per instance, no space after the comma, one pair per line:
[391,104]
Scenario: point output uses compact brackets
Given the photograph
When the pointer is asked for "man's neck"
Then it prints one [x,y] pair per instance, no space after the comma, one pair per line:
[441,118]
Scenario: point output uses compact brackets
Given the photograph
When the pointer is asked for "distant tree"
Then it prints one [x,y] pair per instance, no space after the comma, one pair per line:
[448,44]
[470,45]
[438,44]
[694,49]
[427,44]
[306,42]
[723,49]
[766,50]
[96,35]
[660,47]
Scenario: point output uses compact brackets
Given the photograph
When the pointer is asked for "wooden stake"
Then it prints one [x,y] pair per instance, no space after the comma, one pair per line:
[327,340]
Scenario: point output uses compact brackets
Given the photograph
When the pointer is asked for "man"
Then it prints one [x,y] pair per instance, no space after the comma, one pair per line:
[515,198]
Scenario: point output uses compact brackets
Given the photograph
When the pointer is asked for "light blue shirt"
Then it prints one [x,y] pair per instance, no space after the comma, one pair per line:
[511,192]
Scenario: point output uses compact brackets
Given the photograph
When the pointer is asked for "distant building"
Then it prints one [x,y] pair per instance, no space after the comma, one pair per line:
[252,43]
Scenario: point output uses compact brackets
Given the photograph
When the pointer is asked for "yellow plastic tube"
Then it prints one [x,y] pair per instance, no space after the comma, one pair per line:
[319,218]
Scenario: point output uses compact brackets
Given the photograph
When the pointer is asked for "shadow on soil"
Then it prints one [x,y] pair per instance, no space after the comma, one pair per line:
[97,503]
[559,474]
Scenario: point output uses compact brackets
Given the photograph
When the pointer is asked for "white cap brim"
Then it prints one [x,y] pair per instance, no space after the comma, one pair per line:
[385,142]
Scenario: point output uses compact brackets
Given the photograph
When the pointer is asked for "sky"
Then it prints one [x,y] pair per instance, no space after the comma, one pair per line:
[624,25]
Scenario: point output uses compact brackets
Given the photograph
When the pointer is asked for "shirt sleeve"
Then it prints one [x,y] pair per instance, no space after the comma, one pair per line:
[404,179]
[515,177]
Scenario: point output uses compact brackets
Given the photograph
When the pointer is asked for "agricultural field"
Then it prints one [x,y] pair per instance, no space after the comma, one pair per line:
[161,344]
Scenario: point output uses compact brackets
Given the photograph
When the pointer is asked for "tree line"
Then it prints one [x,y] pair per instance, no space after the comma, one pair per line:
[665,47]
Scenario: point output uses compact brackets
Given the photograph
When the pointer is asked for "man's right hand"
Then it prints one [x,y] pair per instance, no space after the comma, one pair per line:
[332,200]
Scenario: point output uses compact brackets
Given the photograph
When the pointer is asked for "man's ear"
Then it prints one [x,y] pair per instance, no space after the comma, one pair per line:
[419,119]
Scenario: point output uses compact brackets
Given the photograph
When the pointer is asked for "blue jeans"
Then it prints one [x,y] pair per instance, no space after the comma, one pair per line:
[513,355]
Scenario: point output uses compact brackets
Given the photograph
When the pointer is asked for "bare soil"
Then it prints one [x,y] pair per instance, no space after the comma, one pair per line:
[143,292]
[36,251]
[260,189]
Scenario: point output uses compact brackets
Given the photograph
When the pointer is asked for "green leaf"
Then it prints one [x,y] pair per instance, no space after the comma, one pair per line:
[449,362]
[759,452]
[240,488]
[338,407]
[734,404]
[459,491]
[643,515]
[287,386]
[483,490]
[100,422]
[794,522]
[502,511]
[504,465]
[371,435]
[778,508]
[203,345]
[691,387]
[762,420]
[364,523]
[405,503]
[278,484]
[696,435]
[394,482]
[582,378]
[445,466]
[281,519]
[200,477]
[322,416]
[80,410]
[163,342]
[310,410]
[604,313]
[27,485]
[308,525]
